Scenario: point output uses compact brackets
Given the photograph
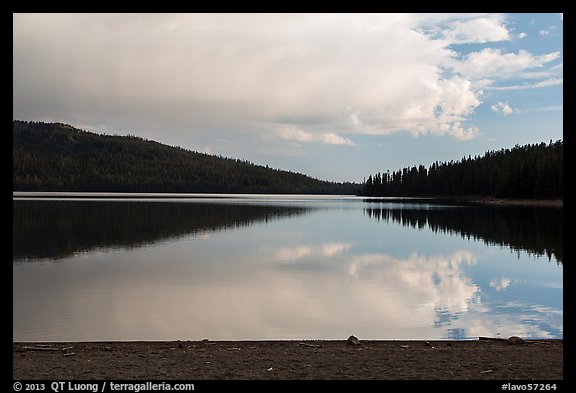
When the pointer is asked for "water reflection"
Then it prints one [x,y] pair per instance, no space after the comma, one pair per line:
[376,296]
[287,272]
[57,229]
[293,254]
[535,230]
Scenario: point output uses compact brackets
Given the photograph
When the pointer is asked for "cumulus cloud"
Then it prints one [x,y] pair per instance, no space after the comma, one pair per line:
[439,108]
[479,30]
[254,72]
[502,107]
[296,78]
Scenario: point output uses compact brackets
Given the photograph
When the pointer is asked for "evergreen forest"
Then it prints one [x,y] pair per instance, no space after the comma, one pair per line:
[59,157]
[533,171]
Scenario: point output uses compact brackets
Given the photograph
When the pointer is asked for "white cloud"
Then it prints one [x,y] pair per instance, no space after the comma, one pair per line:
[290,133]
[330,138]
[549,108]
[559,67]
[294,134]
[522,35]
[544,83]
[463,134]
[494,63]
[284,78]
[548,82]
[480,30]
[253,73]
[438,108]
[502,107]
[544,32]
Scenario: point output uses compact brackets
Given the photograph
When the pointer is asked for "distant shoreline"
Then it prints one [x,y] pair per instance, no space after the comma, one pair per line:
[440,200]
[165,195]
[524,202]
[486,201]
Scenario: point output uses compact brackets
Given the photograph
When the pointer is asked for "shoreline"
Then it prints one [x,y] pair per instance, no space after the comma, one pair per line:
[441,200]
[473,201]
[482,359]
[557,203]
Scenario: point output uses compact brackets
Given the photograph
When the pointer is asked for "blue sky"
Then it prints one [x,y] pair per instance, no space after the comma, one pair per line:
[335,96]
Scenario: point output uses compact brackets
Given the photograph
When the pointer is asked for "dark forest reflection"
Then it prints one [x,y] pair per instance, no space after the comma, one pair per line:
[282,268]
[537,231]
[58,229]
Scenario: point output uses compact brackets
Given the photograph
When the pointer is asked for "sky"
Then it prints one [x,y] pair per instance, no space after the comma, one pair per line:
[335,96]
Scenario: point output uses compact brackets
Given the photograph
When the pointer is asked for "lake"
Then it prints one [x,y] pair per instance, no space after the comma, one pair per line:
[258,267]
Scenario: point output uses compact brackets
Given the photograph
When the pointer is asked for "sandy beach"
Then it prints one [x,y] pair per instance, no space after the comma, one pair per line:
[290,360]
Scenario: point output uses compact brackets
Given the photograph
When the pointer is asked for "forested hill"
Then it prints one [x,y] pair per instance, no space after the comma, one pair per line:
[59,157]
[529,171]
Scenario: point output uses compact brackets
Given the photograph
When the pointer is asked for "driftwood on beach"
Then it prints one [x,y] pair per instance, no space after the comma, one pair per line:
[40,348]
[512,340]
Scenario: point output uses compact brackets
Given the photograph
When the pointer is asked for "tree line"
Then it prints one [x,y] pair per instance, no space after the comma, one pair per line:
[528,171]
[59,157]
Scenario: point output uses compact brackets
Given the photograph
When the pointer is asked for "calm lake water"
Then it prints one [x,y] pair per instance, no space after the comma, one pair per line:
[163,267]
